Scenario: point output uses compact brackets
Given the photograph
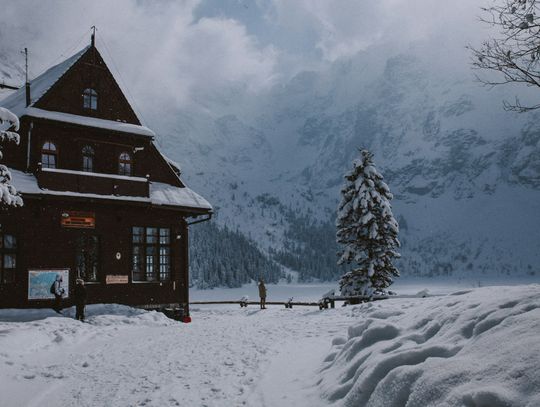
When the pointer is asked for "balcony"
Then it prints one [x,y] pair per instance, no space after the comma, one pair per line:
[92,183]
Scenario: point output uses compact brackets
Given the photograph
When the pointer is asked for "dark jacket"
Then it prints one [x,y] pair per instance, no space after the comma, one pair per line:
[262,290]
[80,294]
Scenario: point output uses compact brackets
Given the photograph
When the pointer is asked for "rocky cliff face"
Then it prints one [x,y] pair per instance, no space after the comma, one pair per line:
[465,173]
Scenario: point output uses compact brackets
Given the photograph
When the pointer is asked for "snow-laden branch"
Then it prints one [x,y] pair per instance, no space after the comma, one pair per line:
[9,125]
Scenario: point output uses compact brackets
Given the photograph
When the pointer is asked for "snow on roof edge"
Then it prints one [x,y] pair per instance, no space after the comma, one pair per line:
[88,121]
[160,194]
[39,86]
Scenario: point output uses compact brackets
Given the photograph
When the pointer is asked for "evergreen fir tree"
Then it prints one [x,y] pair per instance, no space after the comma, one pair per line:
[9,124]
[367,230]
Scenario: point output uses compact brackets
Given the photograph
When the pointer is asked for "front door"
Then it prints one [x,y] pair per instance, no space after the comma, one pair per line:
[87,257]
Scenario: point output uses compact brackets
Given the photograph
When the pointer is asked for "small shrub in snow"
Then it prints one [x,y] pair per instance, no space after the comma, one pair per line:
[9,124]
[367,230]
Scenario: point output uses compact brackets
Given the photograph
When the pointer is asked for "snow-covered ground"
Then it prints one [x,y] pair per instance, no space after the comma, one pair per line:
[475,347]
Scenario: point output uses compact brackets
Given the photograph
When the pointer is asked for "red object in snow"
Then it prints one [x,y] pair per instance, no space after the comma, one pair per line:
[186,320]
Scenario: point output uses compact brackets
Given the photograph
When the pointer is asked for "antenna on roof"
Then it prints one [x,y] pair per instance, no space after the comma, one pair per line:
[27,82]
[93,37]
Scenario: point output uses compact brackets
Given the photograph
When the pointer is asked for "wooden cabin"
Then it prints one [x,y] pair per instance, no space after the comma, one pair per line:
[101,203]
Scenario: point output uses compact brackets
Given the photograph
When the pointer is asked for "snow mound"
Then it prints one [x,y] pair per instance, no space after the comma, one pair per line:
[32,330]
[471,348]
[94,310]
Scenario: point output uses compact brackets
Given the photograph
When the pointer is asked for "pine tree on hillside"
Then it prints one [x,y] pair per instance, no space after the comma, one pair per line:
[367,230]
[9,124]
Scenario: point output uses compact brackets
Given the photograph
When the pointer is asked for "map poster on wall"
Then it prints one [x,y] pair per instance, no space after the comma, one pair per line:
[40,281]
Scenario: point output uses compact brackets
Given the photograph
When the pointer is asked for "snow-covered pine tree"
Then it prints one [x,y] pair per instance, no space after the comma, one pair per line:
[367,230]
[9,124]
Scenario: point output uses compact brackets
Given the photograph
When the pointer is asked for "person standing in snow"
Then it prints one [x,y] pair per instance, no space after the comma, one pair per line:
[80,299]
[262,293]
[58,292]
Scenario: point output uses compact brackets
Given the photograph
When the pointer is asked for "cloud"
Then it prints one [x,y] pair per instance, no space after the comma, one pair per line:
[158,47]
[343,28]
[195,51]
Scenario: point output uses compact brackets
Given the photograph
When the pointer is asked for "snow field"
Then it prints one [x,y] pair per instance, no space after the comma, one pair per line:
[136,358]
[471,348]
[475,347]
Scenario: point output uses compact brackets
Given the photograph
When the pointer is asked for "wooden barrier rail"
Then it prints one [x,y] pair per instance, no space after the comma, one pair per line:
[323,303]
[312,304]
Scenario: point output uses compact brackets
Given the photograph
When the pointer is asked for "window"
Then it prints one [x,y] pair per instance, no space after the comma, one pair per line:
[87,252]
[90,97]
[151,259]
[49,155]
[8,258]
[124,164]
[88,159]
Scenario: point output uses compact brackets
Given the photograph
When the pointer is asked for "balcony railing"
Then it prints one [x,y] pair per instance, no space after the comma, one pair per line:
[92,182]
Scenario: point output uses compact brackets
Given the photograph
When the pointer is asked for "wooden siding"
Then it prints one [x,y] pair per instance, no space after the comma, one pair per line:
[87,183]
[44,244]
[70,139]
[90,71]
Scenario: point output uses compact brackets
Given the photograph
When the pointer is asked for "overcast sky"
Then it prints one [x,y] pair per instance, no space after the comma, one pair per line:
[178,49]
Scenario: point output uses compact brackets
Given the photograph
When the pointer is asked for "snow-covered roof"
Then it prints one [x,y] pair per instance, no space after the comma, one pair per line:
[16,102]
[88,121]
[160,194]
[164,194]
[95,174]
[171,161]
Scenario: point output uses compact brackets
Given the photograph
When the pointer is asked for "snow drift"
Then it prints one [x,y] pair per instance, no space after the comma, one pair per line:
[471,348]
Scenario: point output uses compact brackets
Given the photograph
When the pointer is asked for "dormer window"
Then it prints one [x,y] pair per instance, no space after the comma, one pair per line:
[90,97]
[49,155]
[125,164]
[88,159]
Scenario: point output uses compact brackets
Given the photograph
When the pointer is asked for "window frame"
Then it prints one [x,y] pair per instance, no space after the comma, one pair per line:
[48,152]
[82,240]
[151,254]
[125,165]
[88,154]
[10,251]
[90,99]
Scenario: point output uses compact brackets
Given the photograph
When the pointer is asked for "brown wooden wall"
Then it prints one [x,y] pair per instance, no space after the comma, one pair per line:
[89,71]
[44,244]
[70,140]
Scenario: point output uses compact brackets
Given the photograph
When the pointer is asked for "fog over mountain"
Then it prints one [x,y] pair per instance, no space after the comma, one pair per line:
[264,105]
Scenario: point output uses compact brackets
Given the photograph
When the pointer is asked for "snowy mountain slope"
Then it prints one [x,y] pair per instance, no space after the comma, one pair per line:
[464,172]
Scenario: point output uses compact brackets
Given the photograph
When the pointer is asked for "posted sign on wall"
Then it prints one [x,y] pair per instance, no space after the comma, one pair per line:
[78,220]
[116,279]
[40,281]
